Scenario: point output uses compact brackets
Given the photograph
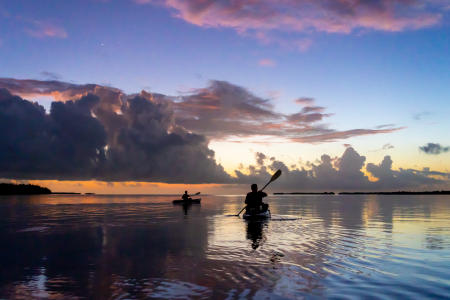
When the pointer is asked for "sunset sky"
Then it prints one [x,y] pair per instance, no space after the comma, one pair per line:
[155,96]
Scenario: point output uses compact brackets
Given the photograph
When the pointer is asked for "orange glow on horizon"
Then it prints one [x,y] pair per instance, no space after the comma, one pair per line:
[133,187]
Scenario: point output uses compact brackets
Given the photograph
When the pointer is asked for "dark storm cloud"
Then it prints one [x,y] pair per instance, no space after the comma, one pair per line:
[96,138]
[36,145]
[218,111]
[98,132]
[432,148]
[345,173]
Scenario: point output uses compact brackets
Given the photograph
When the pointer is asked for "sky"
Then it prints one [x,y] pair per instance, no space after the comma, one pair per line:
[156,96]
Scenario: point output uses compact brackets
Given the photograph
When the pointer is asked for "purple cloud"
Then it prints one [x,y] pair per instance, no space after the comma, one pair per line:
[265,19]
[305,101]
[224,110]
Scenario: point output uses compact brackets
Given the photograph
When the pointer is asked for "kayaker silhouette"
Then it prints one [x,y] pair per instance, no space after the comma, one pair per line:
[254,201]
[185,196]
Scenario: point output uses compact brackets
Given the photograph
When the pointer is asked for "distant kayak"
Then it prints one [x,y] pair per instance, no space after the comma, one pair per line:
[190,201]
[262,215]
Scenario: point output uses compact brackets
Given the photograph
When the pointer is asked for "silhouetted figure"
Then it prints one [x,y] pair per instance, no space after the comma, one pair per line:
[186,196]
[254,201]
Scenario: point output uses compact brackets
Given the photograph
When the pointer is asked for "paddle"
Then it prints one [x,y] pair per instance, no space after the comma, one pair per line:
[273,178]
[198,193]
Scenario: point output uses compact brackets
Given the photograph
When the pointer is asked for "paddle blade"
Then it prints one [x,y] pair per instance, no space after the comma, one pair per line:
[276,175]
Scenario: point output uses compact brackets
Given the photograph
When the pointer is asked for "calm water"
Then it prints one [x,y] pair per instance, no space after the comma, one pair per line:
[135,247]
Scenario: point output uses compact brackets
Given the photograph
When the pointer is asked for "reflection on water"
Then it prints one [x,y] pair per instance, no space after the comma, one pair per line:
[186,207]
[255,232]
[138,247]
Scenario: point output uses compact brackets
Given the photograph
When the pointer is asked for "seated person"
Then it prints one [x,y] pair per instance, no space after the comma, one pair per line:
[186,196]
[254,201]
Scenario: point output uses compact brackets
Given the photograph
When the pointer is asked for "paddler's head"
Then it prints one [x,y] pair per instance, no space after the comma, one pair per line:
[254,187]
[185,192]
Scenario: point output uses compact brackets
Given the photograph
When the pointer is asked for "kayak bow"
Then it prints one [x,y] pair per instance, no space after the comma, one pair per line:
[262,215]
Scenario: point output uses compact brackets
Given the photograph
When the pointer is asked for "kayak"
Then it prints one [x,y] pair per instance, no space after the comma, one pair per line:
[262,215]
[190,201]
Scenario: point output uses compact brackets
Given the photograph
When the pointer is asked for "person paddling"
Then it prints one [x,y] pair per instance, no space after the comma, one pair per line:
[254,201]
[186,196]
[254,198]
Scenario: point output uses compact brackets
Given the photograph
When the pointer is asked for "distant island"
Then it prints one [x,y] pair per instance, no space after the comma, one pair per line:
[305,193]
[26,189]
[22,189]
[398,193]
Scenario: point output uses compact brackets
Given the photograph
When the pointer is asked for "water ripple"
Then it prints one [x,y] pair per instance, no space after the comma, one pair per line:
[136,247]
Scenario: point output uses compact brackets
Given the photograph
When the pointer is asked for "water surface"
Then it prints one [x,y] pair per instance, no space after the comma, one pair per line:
[137,247]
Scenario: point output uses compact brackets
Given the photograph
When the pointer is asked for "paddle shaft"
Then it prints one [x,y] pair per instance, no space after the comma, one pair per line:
[241,211]
[266,185]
